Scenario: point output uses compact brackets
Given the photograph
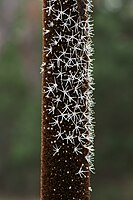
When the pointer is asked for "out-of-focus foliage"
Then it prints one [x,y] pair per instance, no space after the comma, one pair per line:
[114,96]
[20,99]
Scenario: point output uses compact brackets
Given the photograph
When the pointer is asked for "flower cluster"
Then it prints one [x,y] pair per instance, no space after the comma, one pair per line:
[69,54]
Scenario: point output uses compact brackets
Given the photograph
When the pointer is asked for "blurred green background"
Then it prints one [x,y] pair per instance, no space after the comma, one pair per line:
[20,99]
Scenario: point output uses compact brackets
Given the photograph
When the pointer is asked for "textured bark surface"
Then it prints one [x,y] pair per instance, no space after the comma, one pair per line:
[67,134]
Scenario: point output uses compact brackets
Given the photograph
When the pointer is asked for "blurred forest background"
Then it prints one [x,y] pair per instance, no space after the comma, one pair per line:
[20,99]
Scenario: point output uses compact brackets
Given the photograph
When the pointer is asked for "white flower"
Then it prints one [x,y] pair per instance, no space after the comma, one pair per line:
[77,150]
[82,172]
[57,100]
[70,137]
[60,12]
[56,149]
[59,134]
[55,122]
[51,108]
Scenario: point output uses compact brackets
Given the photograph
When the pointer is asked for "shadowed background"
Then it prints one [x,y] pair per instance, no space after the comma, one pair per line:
[20,99]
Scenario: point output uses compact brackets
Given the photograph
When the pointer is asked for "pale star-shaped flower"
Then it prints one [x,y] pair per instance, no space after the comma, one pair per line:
[56,149]
[82,172]
[49,89]
[59,134]
[65,92]
[70,137]
[50,8]
[57,100]
[77,150]
[55,122]
[60,12]
[51,108]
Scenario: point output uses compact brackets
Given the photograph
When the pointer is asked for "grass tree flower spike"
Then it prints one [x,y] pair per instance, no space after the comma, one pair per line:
[67,141]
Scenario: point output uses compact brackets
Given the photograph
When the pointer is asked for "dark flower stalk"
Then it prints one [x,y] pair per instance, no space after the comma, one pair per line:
[67,148]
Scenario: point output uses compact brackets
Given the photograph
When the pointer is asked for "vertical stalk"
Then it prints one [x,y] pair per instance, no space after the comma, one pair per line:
[67,142]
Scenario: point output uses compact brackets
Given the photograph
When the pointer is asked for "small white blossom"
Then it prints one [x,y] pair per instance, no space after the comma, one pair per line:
[56,149]
[82,172]
[59,134]
[70,137]
[51,108]
[77,149]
